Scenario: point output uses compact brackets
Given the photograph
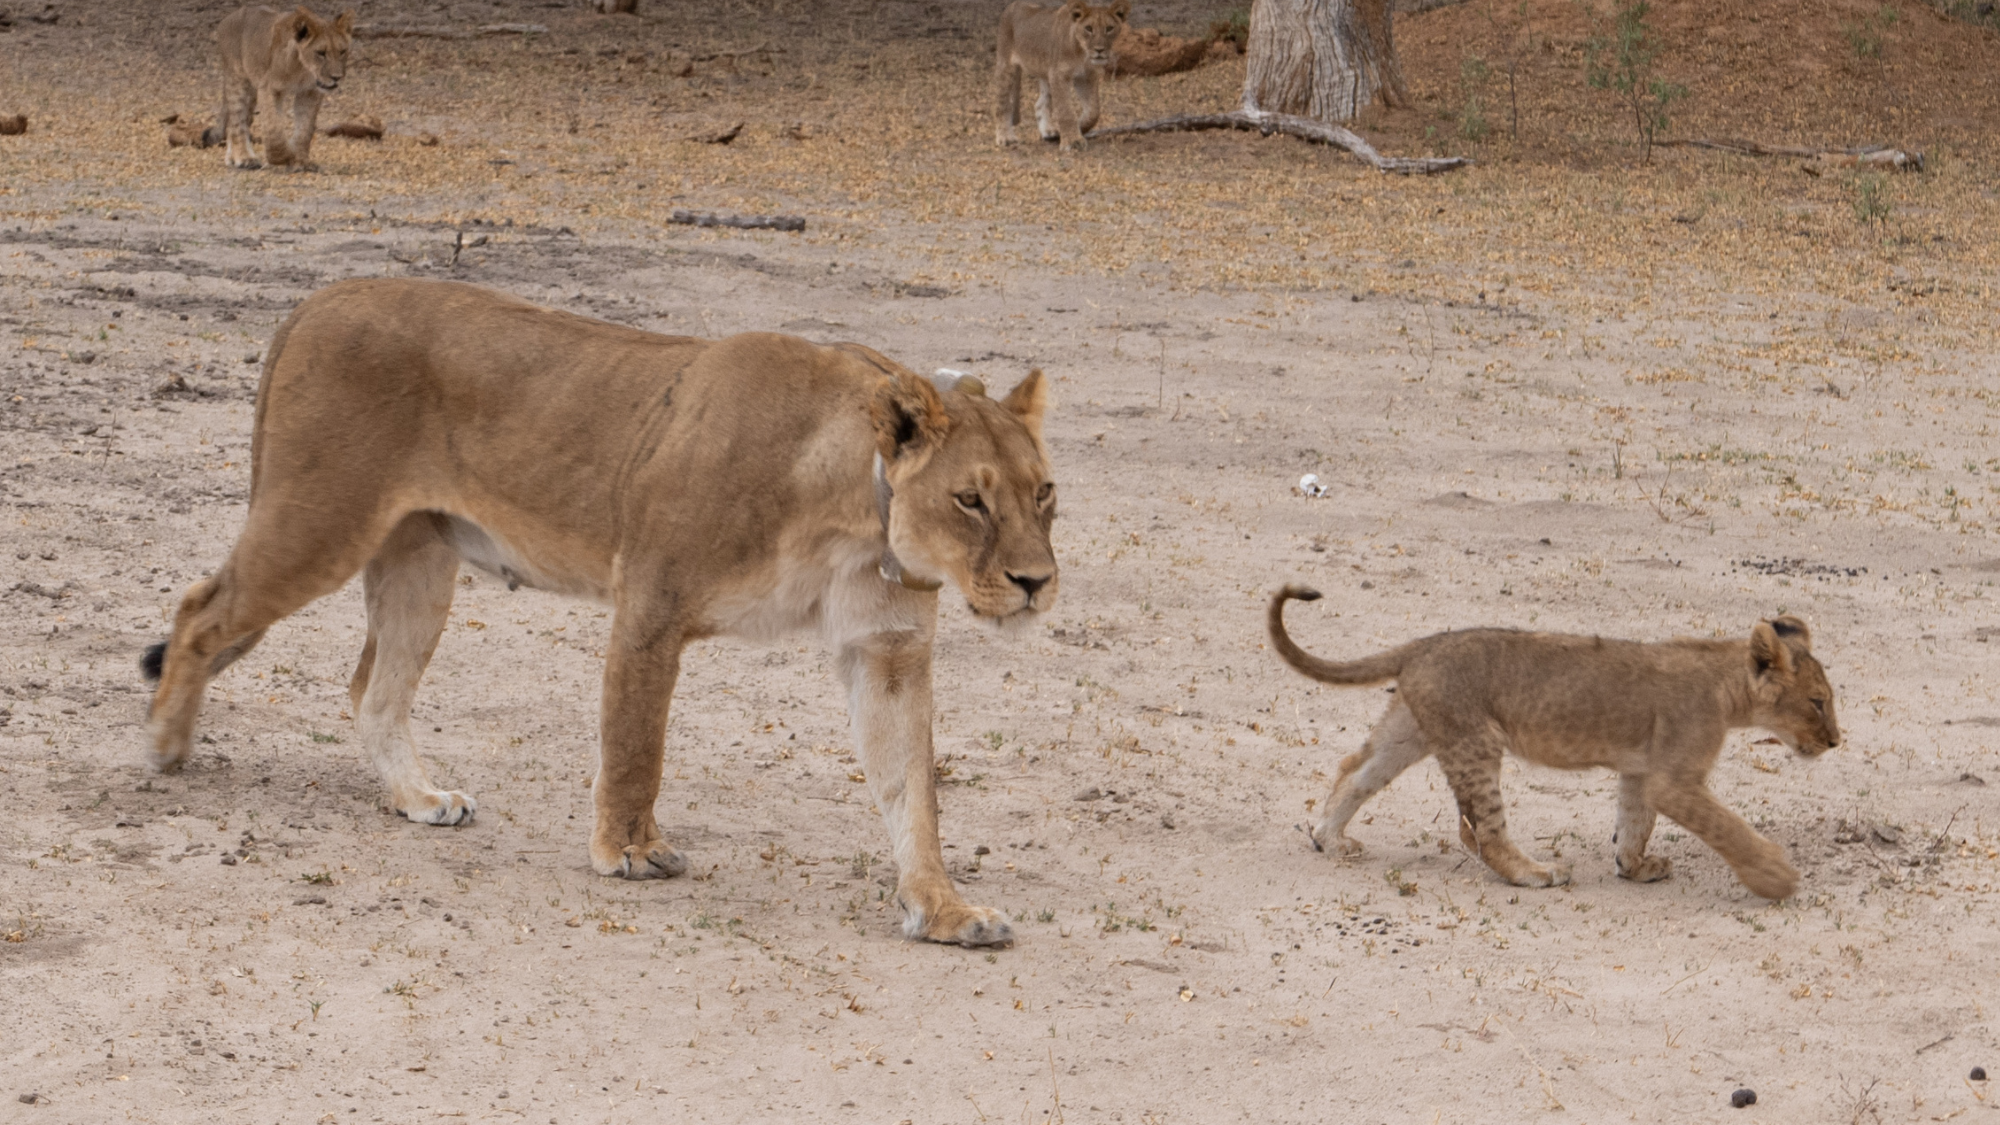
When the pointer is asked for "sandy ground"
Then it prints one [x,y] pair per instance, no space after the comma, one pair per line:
[1125,779]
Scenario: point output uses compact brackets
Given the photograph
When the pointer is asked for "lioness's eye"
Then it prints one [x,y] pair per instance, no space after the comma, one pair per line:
[1044,493]
[1819,705]
[970,501]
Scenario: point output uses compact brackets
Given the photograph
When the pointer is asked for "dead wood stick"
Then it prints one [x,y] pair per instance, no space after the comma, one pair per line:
[450,32]
[1304,128]
[1871,154]
[742,222]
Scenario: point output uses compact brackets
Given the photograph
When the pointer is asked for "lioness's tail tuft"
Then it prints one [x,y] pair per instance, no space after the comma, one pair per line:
[1368,670]
[150,663]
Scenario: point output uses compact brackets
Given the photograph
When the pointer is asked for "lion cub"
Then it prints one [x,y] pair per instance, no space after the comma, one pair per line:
[1656,713]
[1066,50]
[288,60]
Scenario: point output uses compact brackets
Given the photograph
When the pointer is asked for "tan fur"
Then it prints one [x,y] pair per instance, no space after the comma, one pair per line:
[1656,713]
[699,487]
[1066,50]
[287,62]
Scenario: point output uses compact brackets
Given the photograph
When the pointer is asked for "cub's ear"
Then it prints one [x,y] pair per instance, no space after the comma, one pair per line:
[1029,400]
[345,24]
[1121,9]
[1792,629]
[1767,652]
[1078,9]
[301,23]
[909,416]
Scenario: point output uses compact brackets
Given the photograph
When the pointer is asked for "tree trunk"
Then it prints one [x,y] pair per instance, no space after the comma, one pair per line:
[1323,59]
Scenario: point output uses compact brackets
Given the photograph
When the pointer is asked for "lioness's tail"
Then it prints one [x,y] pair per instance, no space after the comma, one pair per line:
[1368,670]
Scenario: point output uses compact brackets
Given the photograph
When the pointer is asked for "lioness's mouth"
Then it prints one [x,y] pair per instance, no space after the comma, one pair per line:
[334,85]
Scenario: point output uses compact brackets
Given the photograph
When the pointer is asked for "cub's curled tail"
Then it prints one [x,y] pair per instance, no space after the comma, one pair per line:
[1368,670]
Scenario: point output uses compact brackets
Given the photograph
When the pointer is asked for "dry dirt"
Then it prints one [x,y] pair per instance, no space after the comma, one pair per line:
[1559,390]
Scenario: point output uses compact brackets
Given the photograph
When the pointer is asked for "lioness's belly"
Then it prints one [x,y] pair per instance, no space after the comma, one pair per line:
[490,553]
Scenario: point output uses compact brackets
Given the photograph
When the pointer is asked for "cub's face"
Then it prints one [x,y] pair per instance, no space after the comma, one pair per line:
[973,496]
[1094,30]
[1792,696]
[323,46]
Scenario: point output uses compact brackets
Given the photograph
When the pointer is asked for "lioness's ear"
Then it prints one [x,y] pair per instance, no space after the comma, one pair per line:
[1767,652]
[302,22]
[1792,629]
[345,24]
[1121,9]
[908,415]
[1029,400]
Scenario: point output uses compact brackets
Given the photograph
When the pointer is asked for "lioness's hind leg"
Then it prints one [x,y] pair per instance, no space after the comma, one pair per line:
[1634,831]
[1006,102]
[1044,121]
[1392,747]
[408,588]
[1472,766]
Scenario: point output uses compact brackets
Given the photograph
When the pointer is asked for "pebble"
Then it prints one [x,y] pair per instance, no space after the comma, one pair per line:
[1979,1074]
[1743,1097]
[228,860]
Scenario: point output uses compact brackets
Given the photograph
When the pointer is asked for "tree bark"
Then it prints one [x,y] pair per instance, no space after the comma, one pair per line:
[1322,59]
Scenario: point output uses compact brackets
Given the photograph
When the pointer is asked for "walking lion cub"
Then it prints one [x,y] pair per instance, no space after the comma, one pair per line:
[1656,713]
[288,61]
[1066,50]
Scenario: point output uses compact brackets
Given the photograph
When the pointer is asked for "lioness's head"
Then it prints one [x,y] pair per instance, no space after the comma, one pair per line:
[320,46]
[972,499]
[1094,29]
[1790,695]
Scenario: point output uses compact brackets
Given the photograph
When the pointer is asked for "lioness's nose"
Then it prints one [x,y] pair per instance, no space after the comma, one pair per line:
[1028,582]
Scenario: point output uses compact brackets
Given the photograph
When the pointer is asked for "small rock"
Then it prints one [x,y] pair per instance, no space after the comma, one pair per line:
[252,357]
[1888,834]
[310,900]
[1167,820]
[1979,1074]
[228,861]
[1091,794]
[428,140]
[29,1099]
[1744,1097]
[982,850]
[1970,778]
[13,127]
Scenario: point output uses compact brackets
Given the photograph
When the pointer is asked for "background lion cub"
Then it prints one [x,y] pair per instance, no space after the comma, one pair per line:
[289,61]
[1066,49]
[1656,713]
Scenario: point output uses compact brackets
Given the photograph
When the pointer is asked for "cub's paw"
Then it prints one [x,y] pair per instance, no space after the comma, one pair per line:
[1773,879]
[654,860]
[250,165]
[441,808]
[1006,135]
[1648,869]
[1077,145]
[1542,875]
[959,924]
[1341,845]
[166,753]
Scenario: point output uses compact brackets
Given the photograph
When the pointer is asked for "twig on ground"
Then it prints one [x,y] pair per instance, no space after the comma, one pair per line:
[451,32]
[742,222]
[1304,128]
[1857,156]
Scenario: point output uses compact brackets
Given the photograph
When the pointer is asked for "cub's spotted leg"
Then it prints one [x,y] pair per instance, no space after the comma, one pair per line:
[304,117]
[1635,829]
[1472,766]
[1006,101]
[641,665]
[888,679]
[408,588]
[1044,123]
[239,106]
[1758,862]
[1087,87]
[1392,747]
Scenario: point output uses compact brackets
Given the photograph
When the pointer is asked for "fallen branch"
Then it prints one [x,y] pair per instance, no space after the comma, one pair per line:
[1303,128]
[742,222]
[1858,156]
[450,32]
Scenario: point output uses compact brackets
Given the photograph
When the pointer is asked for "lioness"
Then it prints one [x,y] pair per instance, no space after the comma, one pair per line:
[747,486]
[289,60]
[1066,50]
[1656,713]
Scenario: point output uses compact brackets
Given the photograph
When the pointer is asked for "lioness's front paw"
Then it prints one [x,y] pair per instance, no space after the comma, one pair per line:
[961,925]
[1648,869]
[654,860]
[1077,144]
[247,165]
[1006,135]
[166,752]
[441,808]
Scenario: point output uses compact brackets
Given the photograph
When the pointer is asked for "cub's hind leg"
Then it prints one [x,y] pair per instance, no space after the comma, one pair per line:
[408,588]
[1045,122]
[1392,747]
[1472,765]
[239,107]
[1634,831]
